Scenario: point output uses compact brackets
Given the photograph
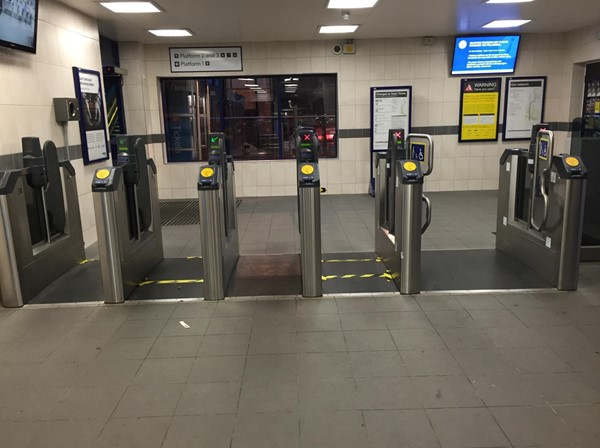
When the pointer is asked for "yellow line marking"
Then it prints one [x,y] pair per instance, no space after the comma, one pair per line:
[172,282]
[328,277]
[87,261]
[193,258]
[349,276]
[367,276]
[356,260]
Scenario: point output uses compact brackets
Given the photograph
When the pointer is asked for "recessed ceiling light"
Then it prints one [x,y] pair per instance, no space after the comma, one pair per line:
[506,23]
[171,33]
[335,29]
[130,7]
[507,1]
[351,4]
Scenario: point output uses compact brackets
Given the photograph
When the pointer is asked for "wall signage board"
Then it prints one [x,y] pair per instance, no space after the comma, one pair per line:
[479,109]
[92,124]
[391,108]
[523,106]
[206,59]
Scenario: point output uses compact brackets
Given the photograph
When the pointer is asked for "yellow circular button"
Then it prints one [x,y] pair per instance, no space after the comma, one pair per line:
[102,174]
[207,172]
[572,161]
[307,169]
[410,166]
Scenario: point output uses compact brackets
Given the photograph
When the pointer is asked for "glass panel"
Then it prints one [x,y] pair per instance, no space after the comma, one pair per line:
[179,102]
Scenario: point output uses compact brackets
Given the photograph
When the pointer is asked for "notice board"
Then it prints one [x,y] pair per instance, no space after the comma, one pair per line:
[523,106]
[479,109]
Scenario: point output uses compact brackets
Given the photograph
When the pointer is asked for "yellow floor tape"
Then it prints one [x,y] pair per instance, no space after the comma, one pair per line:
[171,282]
[353,260]
[385,275]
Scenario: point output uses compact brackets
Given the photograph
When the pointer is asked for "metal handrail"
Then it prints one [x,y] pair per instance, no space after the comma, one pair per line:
[545,198]
[427,213]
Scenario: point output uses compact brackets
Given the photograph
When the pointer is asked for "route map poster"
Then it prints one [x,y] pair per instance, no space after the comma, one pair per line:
[479,109]
[390,109]
[523,106]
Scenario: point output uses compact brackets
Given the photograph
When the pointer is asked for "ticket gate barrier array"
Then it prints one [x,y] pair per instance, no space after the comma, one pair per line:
[399,206]
[540,210]
[40,233]
[127,219]
[218,219]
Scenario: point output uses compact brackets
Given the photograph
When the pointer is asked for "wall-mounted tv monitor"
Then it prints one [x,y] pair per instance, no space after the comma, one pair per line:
[18,24]
[483,55]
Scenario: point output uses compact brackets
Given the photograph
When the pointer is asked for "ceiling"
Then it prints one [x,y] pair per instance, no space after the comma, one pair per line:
[224,21]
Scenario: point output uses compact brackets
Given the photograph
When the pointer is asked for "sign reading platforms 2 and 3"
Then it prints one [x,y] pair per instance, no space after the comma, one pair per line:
[204,59]
[479,109]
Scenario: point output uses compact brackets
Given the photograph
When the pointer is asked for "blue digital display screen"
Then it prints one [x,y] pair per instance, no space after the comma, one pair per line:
[418,152]
[543,154]
[485,54]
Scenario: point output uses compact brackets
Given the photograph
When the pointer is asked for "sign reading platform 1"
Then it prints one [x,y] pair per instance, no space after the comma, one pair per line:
[204,59]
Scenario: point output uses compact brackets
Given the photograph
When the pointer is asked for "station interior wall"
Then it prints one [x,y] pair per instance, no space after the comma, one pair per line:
[68,38]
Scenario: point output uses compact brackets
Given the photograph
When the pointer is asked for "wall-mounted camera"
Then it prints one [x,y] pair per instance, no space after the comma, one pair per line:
[337,49]
[66,109]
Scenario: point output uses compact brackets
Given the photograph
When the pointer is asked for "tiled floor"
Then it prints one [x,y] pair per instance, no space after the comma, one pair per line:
[430,371]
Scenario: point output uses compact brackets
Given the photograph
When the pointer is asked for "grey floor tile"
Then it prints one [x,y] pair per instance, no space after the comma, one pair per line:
[537,425]
[217,369]
[274,324]
[148,432]
[321,342]
[495,318]
[356,305]
[194,310]
[480,302]
[324,365]
[332,429]
[164,371]
[275,308]
[563,388]
[467,337]
[224,344]
[18,434]
[148,328]
[109,372]
[71,433]
[430,362]
[401,428]
[329,393]
[49,374]
[209,398]
[446,392]
[214,431]
[25,352]
[466,428]
[23,404]
[273,343]
[363,321]
[563,336]
[425,338]
[149,400]
[237,308]
[193,326]
[102,330]
[592,332]
[386,393]
[371,340]
[506,390]
[88,403]
[584,421]
[406,320]
[271,367]
[76,350]
[230,325]
[273,395]
[126,348]
[280,429]
[377,364]
[450,319]
[541,316]
[397,303]
[534,360]
[583,316]
[438,303]
[316,306]
[176,347]
[151,311]
[520,301]
[483,361]
[511,337]
[318,322]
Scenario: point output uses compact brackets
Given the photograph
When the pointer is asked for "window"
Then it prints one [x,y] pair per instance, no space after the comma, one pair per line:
[257,114]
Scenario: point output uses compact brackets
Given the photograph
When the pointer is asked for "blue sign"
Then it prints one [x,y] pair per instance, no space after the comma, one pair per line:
[418,151]
[543,154]
[485,54]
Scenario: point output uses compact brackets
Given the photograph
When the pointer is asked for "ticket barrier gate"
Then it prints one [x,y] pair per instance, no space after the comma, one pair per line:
[399,207]
[218,219]
[540,210]
[127,219]
[40,233]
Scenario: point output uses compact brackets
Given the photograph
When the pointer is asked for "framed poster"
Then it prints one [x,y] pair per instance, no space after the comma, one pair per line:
[391,108]
[479,109]
[206,59]
[523,106]
[92,124]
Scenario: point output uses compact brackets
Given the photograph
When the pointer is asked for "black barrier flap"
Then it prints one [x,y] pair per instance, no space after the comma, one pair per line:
[54,197]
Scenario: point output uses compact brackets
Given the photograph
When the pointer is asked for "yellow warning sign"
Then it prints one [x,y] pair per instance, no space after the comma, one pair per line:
[102,174]
[572,161]
[307,170]
[410,166]
[207,172]
[597,107]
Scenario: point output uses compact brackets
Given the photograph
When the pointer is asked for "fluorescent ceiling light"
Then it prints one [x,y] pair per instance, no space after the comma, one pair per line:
[171,33]
[351,4]
[251,85]
[505,23]
[337,29]
[130,7]
[507,1]
[246,79]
